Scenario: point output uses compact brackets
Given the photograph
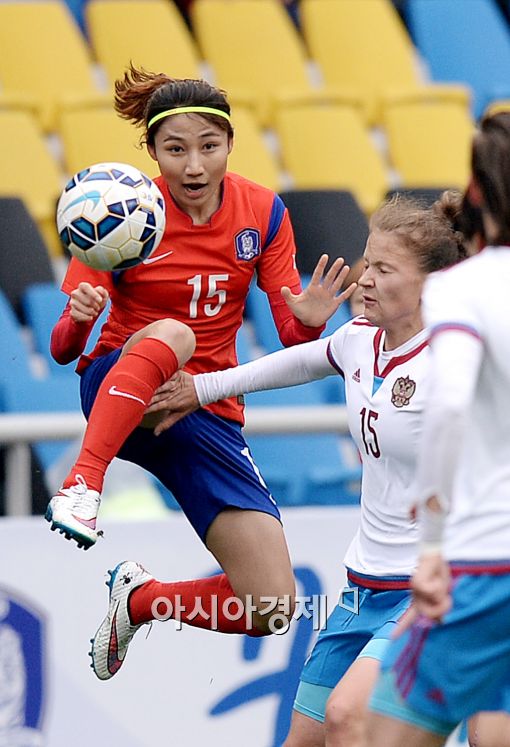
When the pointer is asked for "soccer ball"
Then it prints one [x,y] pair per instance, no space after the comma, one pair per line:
[110,216]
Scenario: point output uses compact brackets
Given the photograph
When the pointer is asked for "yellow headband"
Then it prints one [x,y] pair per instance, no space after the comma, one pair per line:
[188,110]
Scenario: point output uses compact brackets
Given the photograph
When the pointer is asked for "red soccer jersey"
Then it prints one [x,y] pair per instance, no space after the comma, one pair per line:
[200,275]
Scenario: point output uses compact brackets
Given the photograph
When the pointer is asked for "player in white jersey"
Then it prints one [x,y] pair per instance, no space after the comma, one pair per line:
[383,357]
[454,659]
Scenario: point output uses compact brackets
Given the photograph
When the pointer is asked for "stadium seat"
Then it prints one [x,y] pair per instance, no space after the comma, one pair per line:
[259,314]
[19,102]
[29,171]
[244,347]
[150,33]
[42,305]
[362,46]
[470,47]
[25,258]
[304,469]
[424,195]
[429,142]
[14,350]
[118,141]
[52,394]
[45,56]
[250,155]
[311,393]
[339,318]
[325,221]
[253,48]
[329,147]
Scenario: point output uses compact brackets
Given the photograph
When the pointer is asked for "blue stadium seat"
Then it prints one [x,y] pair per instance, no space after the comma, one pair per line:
[258,312]
[53,394]
[305,469]
[244,346]
[42,305]
[453,40]
[14,351]
[311,393]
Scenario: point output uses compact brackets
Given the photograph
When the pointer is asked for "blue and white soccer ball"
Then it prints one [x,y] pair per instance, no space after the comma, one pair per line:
[110,216]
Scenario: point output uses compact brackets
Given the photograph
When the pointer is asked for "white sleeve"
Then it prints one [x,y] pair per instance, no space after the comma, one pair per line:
[456,357]
[289,367]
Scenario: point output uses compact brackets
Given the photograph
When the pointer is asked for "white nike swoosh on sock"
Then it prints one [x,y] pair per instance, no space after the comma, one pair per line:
[116,392]
[150,260]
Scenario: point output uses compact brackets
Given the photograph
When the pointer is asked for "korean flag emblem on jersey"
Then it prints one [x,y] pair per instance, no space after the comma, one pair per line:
[247,244]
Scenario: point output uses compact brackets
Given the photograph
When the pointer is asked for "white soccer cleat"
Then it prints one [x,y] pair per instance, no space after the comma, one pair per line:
[73,511]
[110,643]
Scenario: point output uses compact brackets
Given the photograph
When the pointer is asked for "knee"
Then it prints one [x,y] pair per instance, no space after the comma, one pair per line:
[343,718]
[176,335]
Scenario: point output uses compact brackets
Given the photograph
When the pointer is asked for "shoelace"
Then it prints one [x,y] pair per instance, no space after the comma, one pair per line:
[84,501]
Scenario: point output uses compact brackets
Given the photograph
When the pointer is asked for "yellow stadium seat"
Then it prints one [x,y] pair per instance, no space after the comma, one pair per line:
[251,156]
[29,171]
[150,33]
[18,102]
[329,147]
[112,139]
[44,56]
[362,45]
[429,141]
[253,48]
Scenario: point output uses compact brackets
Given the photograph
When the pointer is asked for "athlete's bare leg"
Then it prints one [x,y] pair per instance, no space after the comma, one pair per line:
[304,732]
[346,710]
[251,548]
[383,731]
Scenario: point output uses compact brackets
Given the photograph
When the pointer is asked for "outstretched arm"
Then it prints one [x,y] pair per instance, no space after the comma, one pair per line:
[295,365]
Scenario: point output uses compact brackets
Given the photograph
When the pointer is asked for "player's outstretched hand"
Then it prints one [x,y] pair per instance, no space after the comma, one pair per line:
[321,298]
[177,397]
[87,302]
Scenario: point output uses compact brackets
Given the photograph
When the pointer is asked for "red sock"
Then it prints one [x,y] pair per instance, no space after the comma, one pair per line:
[200,603]
[119,407]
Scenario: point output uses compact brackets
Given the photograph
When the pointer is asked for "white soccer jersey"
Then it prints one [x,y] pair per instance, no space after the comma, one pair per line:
[385,394]
[471,302]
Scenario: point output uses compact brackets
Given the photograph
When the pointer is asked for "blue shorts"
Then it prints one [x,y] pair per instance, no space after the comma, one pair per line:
[202,459]
[437,674]
[352,631]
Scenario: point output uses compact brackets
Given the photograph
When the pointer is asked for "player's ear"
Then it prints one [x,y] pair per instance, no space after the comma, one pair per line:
[152,151]
[230,144]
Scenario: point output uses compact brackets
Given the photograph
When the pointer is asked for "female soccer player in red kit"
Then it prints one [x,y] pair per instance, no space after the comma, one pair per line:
[184,305]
